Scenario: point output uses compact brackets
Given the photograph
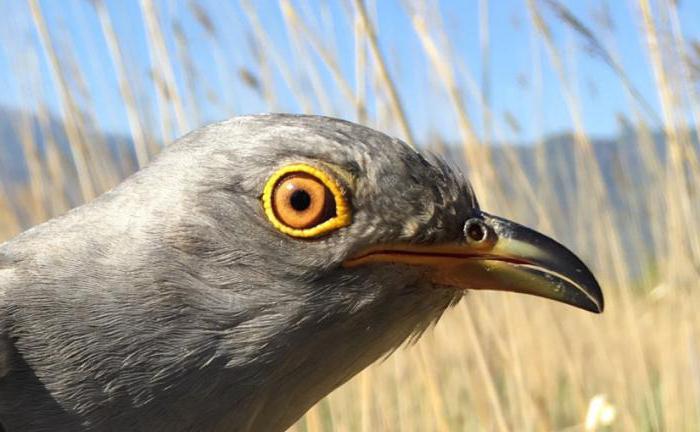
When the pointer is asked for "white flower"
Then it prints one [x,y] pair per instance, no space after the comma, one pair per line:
[600,413]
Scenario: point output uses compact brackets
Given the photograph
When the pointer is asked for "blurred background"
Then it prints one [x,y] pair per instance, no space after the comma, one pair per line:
[579,118]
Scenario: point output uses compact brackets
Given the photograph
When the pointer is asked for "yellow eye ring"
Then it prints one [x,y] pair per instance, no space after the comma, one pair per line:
[307,219]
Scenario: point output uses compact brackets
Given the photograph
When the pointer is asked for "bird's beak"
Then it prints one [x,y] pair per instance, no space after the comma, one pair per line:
[498,254]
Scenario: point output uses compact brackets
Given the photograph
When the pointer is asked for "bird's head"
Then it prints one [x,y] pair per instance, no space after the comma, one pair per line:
[325,244]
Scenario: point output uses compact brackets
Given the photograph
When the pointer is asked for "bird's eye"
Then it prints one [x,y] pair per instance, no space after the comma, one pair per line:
[304,201]
[301,201]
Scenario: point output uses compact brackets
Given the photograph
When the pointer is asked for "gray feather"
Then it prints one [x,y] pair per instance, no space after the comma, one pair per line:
[170,303]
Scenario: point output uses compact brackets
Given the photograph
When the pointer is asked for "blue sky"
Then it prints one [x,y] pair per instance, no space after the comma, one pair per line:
[515,53]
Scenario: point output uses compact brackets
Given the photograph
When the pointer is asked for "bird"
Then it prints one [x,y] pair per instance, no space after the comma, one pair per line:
[251,268]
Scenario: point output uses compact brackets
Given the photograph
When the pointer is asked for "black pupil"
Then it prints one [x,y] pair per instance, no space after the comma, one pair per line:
[476,232]
[300,200]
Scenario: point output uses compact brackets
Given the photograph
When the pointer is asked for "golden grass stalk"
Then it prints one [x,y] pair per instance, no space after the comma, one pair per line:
[360,68]
[599,50]
[605,233]
[308,66]
[366,400]
[683,235]
[163,69]
[313,420]
[103,169]
[383,72]
[270,49]
[34,169]
[294,21]
[189,71]
[68,107]
[484,370]
[10,221]
[477,156]
[652,163]
[55,165]
[433,394]
[693,97]
[29,142]
[223,97]
[544,186]
[485,50]
[588,171]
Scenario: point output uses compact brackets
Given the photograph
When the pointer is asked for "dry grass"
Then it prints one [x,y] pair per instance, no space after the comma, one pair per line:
[495,362]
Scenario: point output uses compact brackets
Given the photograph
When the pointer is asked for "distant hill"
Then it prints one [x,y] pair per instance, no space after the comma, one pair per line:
[11,154]
[12,166]
[612,153]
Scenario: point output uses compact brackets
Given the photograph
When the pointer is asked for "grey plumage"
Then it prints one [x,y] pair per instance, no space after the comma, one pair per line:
[170,303]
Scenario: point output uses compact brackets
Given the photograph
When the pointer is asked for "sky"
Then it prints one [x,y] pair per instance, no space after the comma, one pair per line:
[517,56]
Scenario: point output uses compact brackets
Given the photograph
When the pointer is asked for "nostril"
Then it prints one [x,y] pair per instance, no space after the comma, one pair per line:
[475,231]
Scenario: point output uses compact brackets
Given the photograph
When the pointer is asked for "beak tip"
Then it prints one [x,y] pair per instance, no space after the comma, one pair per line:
[588,302]
[597,296]
[599,308]
[600,305]
[596,302]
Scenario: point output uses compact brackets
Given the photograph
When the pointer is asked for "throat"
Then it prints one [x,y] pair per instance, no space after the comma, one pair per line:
[323,356]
